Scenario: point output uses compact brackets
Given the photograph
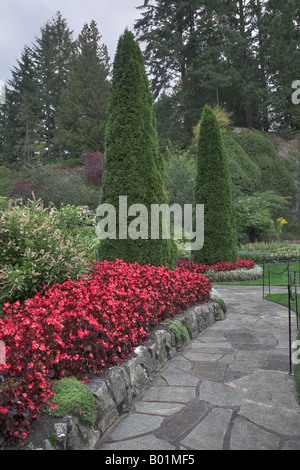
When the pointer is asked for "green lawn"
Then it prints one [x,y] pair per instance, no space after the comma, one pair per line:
[282,299]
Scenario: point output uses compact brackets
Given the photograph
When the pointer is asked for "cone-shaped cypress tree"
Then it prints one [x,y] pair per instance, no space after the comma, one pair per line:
[133,166]
[213,189]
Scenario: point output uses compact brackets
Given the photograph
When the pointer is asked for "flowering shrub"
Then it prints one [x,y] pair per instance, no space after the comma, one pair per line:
[76,328]
[272,250]
[74,218]
[33,249]
[235,275]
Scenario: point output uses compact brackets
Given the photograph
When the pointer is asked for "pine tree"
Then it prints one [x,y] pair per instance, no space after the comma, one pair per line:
[180,36]
[217,52]
[20,132]
[28,143]
[3,123]
[82,114]
[239,22]
[133,166]
[213,189]
[52,54]
[283,60]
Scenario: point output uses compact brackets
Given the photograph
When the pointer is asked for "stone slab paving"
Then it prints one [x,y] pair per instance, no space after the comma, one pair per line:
[229,389]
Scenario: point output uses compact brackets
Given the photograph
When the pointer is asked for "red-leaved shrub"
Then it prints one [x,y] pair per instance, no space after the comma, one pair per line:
[83,327]
[23,188]
[93,167]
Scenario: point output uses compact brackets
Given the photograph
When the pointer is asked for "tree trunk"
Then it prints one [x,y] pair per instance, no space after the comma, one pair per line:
[246,98]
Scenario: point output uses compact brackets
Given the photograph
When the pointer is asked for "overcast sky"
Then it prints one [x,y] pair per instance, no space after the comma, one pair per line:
[21,20]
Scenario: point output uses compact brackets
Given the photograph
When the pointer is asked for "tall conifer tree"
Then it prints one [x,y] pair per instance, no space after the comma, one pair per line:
[19,134]
[52,55]
[213,189]
[283,60]
[82,114]
[133,166]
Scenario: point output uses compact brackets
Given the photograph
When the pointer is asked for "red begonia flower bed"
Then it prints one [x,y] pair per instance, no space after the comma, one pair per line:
[221,266]
[83,327]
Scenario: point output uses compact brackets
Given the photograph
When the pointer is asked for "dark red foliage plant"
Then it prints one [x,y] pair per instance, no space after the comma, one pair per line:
[23,188]
[93,167]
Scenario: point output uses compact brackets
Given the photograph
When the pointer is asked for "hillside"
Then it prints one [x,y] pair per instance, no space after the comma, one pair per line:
[274,172]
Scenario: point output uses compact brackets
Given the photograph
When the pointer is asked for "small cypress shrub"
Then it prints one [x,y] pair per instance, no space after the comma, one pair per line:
[213,189]
[133,166]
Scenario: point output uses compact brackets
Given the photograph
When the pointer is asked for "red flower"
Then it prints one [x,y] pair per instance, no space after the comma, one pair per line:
[75,328]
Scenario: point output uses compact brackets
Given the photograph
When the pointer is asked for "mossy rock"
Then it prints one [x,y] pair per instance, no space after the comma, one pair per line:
[73,397]
[221,302]
[178,329]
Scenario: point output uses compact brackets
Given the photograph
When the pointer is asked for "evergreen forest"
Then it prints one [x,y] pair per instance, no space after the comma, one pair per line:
[241,58]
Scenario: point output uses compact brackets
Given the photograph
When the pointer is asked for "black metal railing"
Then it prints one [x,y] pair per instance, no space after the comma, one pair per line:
[292,286]
[292,297]
[287,269]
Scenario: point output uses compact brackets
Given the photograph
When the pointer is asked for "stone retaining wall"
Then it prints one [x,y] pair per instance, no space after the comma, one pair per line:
[115,392]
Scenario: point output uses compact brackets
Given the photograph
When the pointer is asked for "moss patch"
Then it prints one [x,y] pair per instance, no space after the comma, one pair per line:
[221,302]
[73,397]
[177,328]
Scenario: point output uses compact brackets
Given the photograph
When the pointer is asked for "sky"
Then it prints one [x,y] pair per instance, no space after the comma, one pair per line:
[21,21]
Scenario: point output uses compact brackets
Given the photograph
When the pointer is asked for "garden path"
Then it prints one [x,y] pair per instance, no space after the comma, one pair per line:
[230,388]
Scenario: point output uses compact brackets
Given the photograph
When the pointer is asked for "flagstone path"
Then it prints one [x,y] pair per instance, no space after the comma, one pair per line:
[229,389]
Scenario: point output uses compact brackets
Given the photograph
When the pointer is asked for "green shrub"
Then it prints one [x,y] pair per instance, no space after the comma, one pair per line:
[75,219]
[73,397]
[254,219]
[33,250]
[180,178]
[183,252]
[274,175]
[257,215]
[213,189]
[6,180]
[245,174]
[55,186]
[78,223]
[6,202]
